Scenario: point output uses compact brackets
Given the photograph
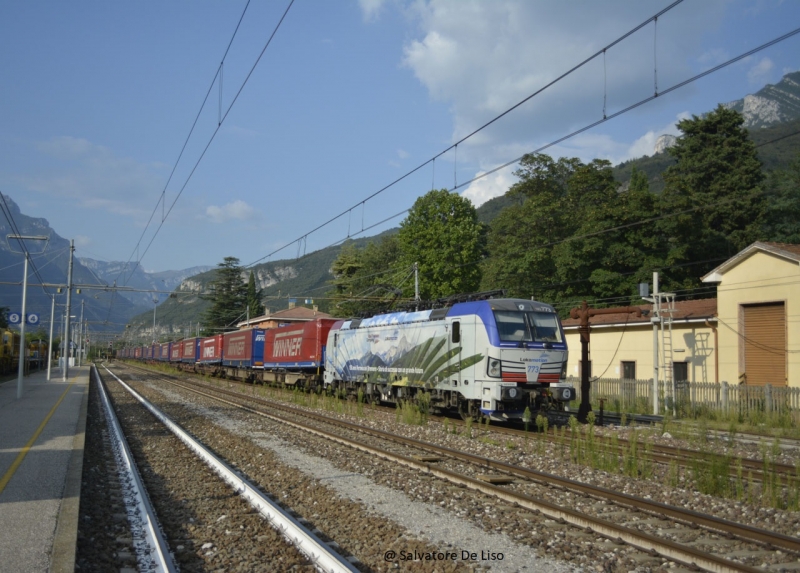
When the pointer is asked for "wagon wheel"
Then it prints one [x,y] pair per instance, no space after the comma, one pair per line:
[468,411]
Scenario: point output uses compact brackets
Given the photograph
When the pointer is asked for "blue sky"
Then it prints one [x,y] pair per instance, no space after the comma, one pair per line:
[98,98]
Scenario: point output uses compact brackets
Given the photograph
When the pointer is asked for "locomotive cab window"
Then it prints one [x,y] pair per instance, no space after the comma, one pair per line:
[515,326]
[456,336]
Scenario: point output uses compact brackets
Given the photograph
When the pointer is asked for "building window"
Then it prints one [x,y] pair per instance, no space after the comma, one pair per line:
[629,370]
[680,371]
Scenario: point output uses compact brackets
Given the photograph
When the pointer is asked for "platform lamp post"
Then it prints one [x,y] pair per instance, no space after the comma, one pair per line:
[24,315]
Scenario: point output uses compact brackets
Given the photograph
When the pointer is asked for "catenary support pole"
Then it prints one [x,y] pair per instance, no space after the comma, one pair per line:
[23,320]
[654,318]
[50,341]
[80,336]
[69,309]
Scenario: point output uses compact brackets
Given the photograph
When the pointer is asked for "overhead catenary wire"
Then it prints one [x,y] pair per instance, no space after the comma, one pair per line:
[162,197]
[213,135]
[9,216]
[455,145]
[543,147]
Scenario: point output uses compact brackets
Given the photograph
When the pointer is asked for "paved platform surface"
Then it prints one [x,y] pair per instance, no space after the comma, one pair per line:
[41,458]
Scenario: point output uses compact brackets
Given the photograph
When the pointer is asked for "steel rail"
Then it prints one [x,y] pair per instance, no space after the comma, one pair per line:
[153,539]
[319,552]
[665,454]
[659,453]
[644,541]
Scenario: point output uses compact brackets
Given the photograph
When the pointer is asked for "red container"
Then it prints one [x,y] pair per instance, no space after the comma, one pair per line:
[137,352]
[210,350]
[175,351]
[298,345]
[190,348]
[243,348]
[164,351]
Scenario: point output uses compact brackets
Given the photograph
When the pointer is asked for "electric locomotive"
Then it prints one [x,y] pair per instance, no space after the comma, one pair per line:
[492,358]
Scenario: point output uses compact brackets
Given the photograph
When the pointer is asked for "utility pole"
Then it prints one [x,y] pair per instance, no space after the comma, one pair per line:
[155,304]
[80,336]
[663,306]
[69,308]
[23,320]
[583,313]
[24,313]
[50,341]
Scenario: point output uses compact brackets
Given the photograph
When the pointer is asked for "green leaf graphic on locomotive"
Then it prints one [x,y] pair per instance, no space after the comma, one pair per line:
[412,358]
[427,359]
[459,366]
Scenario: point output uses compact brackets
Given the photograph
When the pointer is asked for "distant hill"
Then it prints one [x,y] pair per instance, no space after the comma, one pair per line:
[108,272]
[103,313]
[307,277]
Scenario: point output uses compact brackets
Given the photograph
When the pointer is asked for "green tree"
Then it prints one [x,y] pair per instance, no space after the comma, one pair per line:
[593,204]
[364,279]
[782,217]
[254,305]
[716,182]
[442,233]
[521,237]
[228,297]
[3,317]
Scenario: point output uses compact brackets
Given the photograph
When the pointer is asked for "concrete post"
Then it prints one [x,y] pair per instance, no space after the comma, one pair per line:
[725,397]
[768,397]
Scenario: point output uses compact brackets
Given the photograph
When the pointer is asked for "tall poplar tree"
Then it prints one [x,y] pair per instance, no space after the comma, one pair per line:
[254,305]
[228,298]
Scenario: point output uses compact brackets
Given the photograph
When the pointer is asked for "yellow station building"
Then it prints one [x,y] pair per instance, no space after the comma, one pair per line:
[749,334]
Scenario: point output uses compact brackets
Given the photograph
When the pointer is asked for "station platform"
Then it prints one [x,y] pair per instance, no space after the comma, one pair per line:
[41,462]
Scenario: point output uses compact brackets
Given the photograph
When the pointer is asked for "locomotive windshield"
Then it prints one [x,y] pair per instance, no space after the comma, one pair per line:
[523,326]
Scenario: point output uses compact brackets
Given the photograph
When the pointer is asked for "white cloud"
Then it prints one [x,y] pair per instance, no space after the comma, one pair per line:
[370,8]
[759,74]
[235,210]
[646,143]
[481,57]
[402,153]
[93,176]
[586,147]
[82,241]
[491,186]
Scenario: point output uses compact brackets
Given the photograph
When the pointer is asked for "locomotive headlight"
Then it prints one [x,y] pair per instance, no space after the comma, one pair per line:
[494,368]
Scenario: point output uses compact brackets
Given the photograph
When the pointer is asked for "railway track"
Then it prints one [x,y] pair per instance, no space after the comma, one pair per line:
[292,544]
[705,541]
[751,469]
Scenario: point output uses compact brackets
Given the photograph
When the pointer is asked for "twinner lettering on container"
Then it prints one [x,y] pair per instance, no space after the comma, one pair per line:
[288,344]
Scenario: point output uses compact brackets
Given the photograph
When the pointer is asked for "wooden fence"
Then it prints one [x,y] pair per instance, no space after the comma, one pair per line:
[623,395]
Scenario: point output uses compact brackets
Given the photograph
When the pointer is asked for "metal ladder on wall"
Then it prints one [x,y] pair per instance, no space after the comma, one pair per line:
[666,313]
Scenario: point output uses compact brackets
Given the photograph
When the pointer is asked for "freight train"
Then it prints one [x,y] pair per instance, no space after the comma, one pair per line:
[491,358]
